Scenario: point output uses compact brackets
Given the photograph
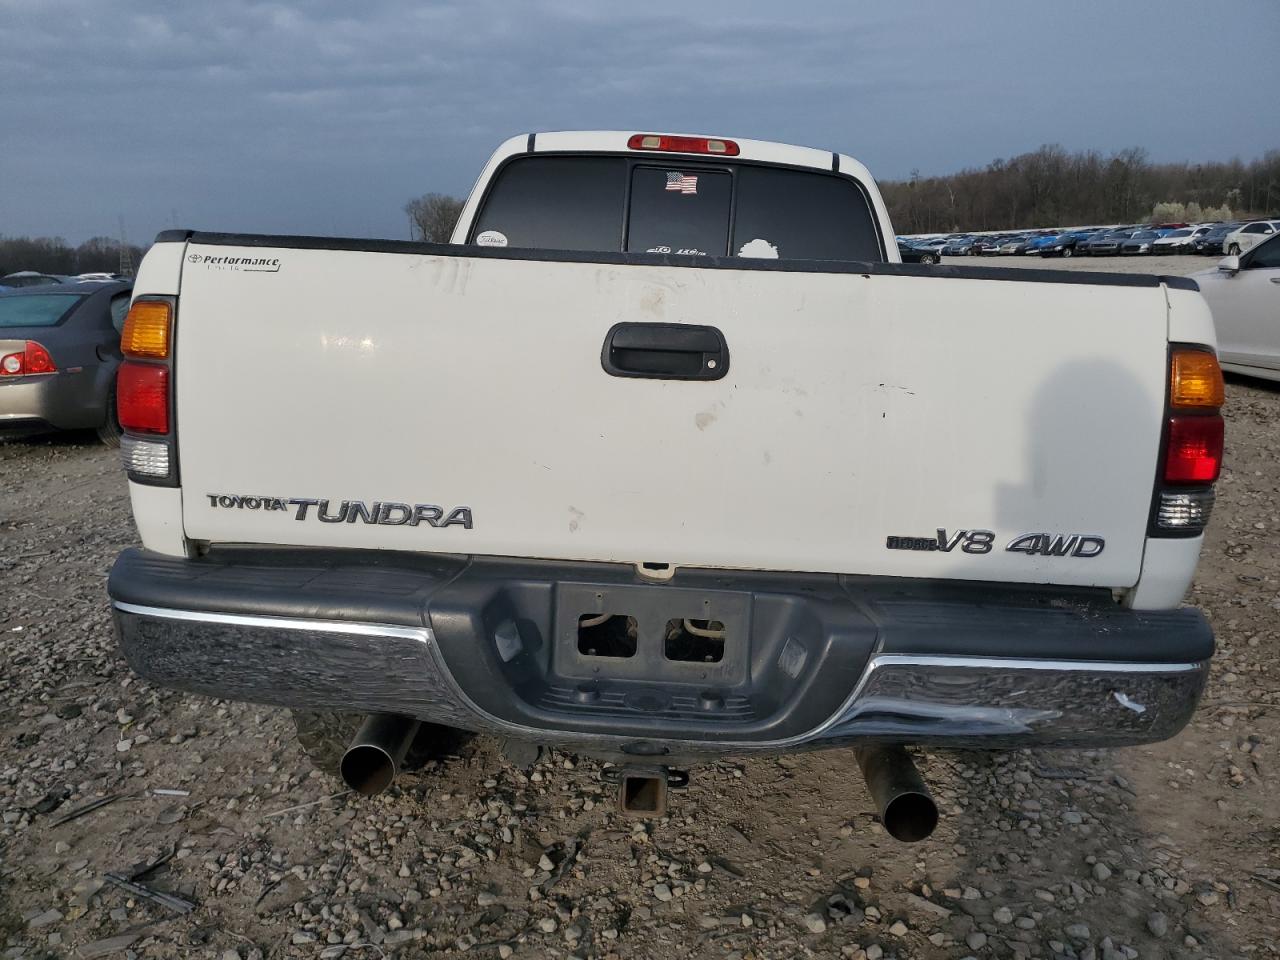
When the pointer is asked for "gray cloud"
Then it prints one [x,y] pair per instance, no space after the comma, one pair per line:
[324,117]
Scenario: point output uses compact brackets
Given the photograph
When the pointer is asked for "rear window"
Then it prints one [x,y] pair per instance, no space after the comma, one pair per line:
[679,211]
[803,216]
[555,203]
[608,204]
[36,311]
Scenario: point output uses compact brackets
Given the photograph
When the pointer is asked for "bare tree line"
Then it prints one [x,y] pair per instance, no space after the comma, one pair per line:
[55,255]
[1051,187]
[432,216]
[1044,188]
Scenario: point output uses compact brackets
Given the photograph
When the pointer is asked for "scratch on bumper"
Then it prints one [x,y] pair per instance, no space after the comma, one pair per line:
[978,700]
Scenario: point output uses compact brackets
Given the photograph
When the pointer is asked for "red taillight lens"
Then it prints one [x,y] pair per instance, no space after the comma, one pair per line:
[38,359]
[142,397]
[34,358]
[1194,454]
[667,143]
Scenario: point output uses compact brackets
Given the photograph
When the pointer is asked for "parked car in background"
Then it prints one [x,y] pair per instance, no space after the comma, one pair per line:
[1139,241]
[1210,244]
[910,254]
[1244,295]
[1014,245]
[986,246]
[1249,236]
[933,243]
[1054,245]
[959,246]
[1039,242]
[930,251]
[29,278]
[1108,244]
[1067,244]
[59,351]
[1178,241]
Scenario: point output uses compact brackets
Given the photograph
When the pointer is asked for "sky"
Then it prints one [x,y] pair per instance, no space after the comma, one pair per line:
[325,117]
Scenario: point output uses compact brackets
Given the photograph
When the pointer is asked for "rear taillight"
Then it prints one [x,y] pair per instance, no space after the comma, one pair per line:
[667,143]
[31,360]
[142,397]
[144,392]
[1192,452]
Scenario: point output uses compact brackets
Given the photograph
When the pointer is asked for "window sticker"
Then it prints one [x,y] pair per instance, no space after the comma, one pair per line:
[681,183]
[759,249]
[691,251]
[491,238]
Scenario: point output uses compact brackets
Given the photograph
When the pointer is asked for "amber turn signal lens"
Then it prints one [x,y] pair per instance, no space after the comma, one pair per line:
[147,329]
[1195,381]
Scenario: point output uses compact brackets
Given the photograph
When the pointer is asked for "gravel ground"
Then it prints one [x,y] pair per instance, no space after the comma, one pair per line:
[1171,850]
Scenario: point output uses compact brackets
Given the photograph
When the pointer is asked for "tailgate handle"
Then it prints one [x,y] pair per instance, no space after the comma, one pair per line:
[665,351]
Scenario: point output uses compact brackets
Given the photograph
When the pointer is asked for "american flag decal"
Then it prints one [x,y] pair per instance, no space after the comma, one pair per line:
[682,182]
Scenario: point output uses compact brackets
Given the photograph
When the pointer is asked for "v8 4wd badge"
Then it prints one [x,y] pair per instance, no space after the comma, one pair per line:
[1079,545]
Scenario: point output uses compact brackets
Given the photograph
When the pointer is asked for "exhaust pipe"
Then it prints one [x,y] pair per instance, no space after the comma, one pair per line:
[376,753]
[906,809]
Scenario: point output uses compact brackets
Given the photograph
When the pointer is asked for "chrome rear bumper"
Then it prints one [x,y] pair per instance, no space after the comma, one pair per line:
[952,700]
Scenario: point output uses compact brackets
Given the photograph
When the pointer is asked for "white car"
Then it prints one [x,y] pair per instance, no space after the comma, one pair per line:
[1249,236]
[1244,295]
[1179,241]
[936,244]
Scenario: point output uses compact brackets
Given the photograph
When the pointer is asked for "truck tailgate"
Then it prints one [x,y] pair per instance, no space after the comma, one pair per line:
[856,408]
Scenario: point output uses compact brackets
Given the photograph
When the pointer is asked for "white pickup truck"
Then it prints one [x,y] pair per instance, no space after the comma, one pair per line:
[667,457]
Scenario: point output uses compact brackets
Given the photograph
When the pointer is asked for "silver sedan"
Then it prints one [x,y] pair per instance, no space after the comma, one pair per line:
[1244,295]
[59,350]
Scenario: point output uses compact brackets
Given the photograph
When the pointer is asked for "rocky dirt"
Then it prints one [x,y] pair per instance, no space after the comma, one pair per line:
[1171,850]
